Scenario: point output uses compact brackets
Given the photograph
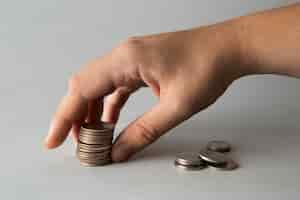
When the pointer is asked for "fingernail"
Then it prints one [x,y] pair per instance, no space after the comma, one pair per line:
[47,138]
[46,145]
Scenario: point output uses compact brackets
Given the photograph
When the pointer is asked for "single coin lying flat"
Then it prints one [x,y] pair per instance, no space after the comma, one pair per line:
[189,161]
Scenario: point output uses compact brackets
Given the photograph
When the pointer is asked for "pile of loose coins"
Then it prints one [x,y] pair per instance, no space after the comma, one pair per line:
[95,144]
[213,155]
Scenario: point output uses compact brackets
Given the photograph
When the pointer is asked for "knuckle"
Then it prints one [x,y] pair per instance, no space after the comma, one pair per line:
[133,47]
[134,42]
[146,133]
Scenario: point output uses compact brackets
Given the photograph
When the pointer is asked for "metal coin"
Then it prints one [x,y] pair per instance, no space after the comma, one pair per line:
[94,160]
[89,150]
[99,140]
[190,167]
[96,147]
[91,141]
[96,133]
[95,164]
[98,126]
[189,158]
[91,155]
[95,138]
[95,144]
[214,159]
[219,146]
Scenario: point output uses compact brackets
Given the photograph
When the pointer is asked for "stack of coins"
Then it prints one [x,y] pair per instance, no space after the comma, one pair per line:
[95,144]
[213,155]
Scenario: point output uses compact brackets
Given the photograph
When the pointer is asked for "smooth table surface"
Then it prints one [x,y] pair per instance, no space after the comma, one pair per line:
[268,154]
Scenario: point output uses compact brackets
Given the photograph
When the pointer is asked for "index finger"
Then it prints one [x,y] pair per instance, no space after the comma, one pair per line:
[87,85]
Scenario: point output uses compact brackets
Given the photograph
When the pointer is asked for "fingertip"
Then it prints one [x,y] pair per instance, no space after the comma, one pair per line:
[53,139]
[120,153]
[48,141]
[48,144]
[45,145]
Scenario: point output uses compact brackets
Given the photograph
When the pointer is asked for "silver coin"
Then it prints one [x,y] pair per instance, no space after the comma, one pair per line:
[93,155]
[96,138]
[95,142]
[97,127]
[95,161]
[95,164]
[91,141]
[93,150]
[85,153]
[94,147]
[87,140]
[96,133]
[230,165]
[215,159]
[110,136]
[107,136]
[190,167]
[218,146]
[189,158]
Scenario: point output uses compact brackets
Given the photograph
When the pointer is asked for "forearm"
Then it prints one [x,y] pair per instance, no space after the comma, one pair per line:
[269,42]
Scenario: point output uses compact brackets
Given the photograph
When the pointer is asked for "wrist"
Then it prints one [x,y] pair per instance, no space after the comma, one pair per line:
[247,60]
[268,41]
[220,41]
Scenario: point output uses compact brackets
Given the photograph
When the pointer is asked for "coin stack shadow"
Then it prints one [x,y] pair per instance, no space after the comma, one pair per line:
[95,144]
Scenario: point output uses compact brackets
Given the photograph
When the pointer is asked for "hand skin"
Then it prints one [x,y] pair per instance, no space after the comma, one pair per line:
[187,71]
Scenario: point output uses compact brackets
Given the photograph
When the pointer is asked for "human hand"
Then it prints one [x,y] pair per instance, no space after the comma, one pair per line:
[186,70]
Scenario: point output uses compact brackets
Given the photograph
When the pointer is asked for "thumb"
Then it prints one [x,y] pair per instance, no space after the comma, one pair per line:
[146,129]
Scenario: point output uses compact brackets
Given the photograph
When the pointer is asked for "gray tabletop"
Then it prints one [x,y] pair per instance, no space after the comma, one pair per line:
[43,42]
